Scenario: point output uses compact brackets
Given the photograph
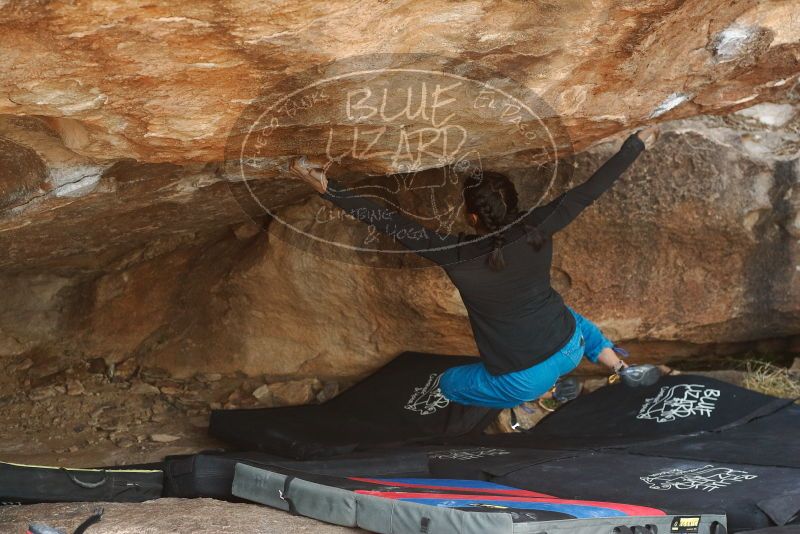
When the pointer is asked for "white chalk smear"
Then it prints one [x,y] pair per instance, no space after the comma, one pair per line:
[732,42]
[75,181]
[769,114]
[672,101]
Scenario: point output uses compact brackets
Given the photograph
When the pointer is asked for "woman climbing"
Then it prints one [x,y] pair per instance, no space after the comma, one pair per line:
[526,336]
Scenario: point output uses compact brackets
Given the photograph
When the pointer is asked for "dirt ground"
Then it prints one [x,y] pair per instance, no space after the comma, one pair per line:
[81,417]
[166,516]
[90,414]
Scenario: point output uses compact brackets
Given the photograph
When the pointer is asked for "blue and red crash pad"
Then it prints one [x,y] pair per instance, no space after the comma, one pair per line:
[413,505]
[478,494]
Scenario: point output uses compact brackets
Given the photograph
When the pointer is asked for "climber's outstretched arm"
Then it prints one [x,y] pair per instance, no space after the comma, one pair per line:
[557,214]
[439,248]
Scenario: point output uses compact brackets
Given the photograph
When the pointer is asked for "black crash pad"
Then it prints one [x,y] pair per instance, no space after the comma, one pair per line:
[397,405]
[790,529]
[773,439]
[668,446]
[746,493]
[206,474]
[752,496]
[675,405]
[617,416]
[27,484]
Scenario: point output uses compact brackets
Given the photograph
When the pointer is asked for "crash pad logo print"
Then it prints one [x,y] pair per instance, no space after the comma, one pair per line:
[427,399]
[707,478]
[468,454]
[679,402]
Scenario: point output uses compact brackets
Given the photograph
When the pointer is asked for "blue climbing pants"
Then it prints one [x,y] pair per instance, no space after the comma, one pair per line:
[473,384]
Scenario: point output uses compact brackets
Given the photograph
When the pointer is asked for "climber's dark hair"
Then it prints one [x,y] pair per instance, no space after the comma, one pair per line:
[493,198]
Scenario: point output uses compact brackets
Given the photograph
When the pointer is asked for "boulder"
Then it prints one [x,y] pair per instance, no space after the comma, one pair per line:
[128,236]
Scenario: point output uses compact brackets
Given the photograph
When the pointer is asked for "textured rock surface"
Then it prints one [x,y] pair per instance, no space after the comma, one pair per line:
[696,250]
[120,240]
[198,516]
[166,83]
[699,243]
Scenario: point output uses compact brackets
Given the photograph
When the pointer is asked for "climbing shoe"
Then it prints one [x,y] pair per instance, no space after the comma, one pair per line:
[567,389]
[518,419]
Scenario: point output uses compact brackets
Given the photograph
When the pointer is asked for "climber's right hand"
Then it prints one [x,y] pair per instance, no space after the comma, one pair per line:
[309,173]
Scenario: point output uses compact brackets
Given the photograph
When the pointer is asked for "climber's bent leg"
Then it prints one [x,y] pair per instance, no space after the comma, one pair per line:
[474,385]
[596,342]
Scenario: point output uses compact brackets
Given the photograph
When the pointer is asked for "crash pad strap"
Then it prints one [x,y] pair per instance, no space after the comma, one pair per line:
[83,484]
[94,518]
[121,469]
[284,494]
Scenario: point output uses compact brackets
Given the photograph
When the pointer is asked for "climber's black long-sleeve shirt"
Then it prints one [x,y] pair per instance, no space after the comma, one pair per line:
[517,318]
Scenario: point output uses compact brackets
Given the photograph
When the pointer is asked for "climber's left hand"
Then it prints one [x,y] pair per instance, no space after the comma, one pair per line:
[649,135]
[309,173]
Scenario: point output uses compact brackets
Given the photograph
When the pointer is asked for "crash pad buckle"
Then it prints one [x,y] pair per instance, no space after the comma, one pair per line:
[284,495]
[514,421]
